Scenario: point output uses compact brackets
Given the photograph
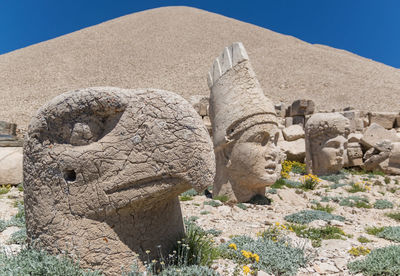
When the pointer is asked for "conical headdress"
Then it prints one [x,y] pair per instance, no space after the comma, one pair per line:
[237,101]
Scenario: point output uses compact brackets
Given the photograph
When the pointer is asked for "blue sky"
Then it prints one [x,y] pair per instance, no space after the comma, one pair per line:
[365,27]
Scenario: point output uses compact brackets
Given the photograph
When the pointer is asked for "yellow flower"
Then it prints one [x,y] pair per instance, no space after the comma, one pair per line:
[246,254]
[246,270]
[256,257]
[277,223]
[232,245]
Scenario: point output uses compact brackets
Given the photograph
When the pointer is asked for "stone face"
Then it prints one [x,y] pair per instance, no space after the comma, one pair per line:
[354,154]
[294,150]
[384,119]
[293,132]
[102,171]
[245,129]
[326,142]
[10,165]
[302,107]
[376,133]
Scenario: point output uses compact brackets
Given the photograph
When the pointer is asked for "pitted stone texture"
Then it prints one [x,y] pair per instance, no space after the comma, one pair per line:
[102,171]
[245,129]
[384,156]
[356,118]
[384,119]
[376,133]
[326,143]
[10,165]
[293,132]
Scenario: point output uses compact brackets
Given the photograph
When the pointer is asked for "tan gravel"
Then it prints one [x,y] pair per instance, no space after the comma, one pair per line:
[172,48]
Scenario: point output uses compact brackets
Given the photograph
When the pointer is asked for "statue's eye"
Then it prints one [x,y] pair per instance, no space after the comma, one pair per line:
[259,138]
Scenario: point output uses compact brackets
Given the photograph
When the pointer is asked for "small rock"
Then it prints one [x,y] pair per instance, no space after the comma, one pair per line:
[317,223]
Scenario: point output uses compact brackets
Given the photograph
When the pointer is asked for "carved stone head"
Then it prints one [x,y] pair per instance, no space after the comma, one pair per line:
[245,131]
[326,142]
[103,168]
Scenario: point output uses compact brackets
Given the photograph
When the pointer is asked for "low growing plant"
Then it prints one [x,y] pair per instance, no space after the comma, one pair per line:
[383,204]
[326,208]
[355,201]
[381,261]
[359,251]
[374,230]
[5,189]
[335,178]
[222,198]
[316,235]
[309,182]
[391,233]
[363,239]
[395,216]
[307,216]
[241,206]
[274,257]
[212,203]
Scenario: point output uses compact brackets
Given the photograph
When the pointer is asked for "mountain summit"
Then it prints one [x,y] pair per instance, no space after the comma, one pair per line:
[172,48]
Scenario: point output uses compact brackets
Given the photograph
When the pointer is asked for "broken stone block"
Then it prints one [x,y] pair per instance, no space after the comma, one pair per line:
[10,165]
[245,128]
[8,136]
[293,132]
[302,107]
[376,133]
[103,168]
[280,109]
[299,120]
[385,119]
[288,121]
[356,119]
[294,150]
[354,137]
[200,104]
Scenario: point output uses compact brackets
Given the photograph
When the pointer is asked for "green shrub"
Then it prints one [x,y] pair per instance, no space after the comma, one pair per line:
[355,188]
[193,270]
[20,187]
[387,180]
[272,191]
[38,262]
[316,235]
[307,216]
[185,198]
[326,208]
[374,230]
[337,185]
[298,167]
[4,189]
[212,203]
[190,192]
[241,206]
[391,233]
[331,198]
[275,257]
[359,251]
[279,184]
[335,178]
[292,184]
[395,216]
[17,220]
[363,239]
[383,204]
[222,198]
[381,261]
[355,201]
[204,212]
[18,237]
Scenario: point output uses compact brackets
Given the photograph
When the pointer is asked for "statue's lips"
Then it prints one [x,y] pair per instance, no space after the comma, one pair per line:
[270,168]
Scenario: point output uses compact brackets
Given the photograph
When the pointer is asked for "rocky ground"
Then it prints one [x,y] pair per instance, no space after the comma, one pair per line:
[330,258]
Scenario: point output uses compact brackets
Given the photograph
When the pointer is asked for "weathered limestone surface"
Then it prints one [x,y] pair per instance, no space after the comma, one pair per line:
[245,130]
[376,133]
[385,119]
[294,150]
[102,171]
[326,141]
[354,154]
[10,165]
[293,132]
